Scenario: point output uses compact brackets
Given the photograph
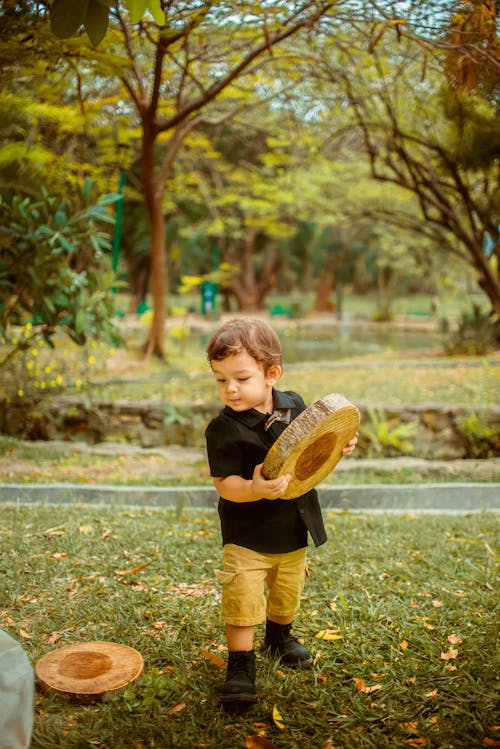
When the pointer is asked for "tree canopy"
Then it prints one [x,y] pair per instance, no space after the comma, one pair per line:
[372,120]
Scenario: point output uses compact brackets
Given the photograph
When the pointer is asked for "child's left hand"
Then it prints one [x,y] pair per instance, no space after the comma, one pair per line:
[349,448]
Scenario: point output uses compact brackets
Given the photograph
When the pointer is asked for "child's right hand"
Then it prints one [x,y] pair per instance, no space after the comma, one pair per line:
[268,488]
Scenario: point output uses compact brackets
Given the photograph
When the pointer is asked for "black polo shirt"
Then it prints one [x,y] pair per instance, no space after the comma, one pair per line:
[236,443]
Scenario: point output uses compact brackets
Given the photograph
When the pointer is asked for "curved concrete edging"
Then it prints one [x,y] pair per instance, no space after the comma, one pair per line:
[436,497]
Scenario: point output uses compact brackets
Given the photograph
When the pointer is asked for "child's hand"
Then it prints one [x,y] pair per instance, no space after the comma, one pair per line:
[348,449]
[268,488]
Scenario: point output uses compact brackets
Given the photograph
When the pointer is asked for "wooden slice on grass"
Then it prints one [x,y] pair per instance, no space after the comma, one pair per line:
[311,446]
[89,671]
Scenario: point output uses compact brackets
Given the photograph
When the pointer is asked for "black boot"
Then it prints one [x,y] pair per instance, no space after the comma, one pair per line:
[238,693]
[279,641]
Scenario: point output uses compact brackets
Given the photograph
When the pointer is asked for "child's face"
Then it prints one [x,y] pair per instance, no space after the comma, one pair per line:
[242,383]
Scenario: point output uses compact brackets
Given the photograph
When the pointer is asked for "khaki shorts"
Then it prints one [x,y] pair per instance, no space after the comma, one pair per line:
[247,574]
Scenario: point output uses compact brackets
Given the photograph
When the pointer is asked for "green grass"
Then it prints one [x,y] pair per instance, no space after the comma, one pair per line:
[445,382]
[45,463]
[402,591]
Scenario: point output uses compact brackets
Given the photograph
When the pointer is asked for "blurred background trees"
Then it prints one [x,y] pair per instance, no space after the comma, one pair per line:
[315,146]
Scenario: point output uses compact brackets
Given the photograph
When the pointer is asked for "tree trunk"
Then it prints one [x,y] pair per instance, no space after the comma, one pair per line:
[153,193]
[250,288]
[324,289]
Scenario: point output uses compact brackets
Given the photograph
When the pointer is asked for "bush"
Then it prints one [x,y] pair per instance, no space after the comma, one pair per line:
[476,334]
[482,440]
[55,272]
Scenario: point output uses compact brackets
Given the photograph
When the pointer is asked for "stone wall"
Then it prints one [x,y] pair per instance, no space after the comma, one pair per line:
[438,431]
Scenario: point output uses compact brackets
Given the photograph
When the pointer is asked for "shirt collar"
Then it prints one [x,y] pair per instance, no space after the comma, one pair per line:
[252,417]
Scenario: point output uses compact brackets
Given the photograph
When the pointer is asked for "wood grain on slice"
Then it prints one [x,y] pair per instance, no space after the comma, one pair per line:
[311,446]
[89,671]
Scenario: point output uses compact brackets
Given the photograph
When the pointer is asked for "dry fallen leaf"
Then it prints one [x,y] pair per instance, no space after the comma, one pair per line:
[133,570]
[432,693]
[454,639]
[360,683]
[177,708]
[411,727]
[213,658]
[450,653]
[491,742]
[436,603]
[53,638]
[258,742]
[24,634]
[403,644]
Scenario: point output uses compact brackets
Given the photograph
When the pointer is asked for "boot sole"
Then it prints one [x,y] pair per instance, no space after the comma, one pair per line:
[304,665]
[232,699]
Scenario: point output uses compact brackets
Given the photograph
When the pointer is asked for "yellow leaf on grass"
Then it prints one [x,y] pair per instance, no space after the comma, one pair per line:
[403,644]
[278,720]
[432,693]
[360,683]
[329,634]
[213,658]
[411,727]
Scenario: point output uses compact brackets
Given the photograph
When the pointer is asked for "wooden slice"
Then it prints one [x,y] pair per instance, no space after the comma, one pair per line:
[89,671]
[311,446]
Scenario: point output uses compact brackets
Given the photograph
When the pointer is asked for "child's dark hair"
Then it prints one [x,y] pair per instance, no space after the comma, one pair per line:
[245,334]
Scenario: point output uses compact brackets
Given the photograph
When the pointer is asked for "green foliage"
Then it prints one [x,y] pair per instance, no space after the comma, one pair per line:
[68,16]
[385,438]
[481,439]
[54,270]
[477,333]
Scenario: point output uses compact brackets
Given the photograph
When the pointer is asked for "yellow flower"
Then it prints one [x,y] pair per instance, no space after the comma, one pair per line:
[48,368]
[34,352]
[43,385]
[91,359]
[20,393]
[30,365]
[59,379]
